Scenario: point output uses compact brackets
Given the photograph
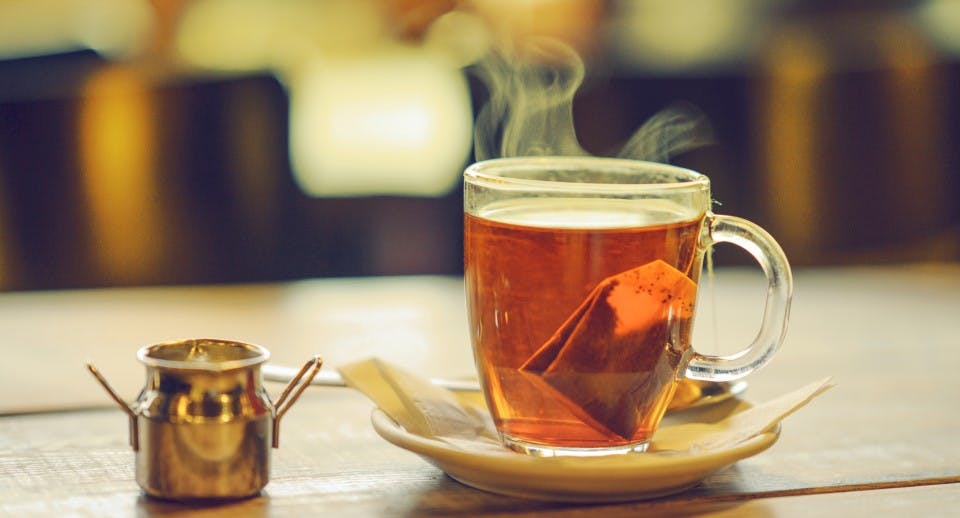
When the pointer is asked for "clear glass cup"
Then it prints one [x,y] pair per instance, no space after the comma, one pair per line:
[581,277]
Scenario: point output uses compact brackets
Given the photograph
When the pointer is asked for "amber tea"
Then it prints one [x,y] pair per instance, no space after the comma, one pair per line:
[550,281]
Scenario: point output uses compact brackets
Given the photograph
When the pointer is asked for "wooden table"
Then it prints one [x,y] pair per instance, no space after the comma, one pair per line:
[883,441]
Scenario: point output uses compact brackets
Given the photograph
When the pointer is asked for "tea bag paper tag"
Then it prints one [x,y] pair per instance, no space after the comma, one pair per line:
[759,419]
[416,404]
[424,409]
[612,357]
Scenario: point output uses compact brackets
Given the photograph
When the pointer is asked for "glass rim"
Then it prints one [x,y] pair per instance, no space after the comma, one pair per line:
[489,172]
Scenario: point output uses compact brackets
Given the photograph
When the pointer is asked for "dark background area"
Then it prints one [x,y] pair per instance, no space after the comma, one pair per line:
[879,148]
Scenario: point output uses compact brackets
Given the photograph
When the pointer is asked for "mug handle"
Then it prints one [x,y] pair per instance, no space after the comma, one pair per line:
[758,243]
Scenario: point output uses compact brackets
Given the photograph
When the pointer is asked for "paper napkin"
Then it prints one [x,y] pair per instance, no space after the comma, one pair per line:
[425,409]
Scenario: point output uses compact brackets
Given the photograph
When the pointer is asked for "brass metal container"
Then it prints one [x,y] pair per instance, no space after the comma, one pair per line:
[203,425]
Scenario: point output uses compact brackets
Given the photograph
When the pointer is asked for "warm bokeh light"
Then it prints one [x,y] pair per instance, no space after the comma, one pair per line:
[576,23]
[795,71]
[685,35]
[254,35]
[114,28]
[396,123]
[117,137]
[368,115]
[941,19]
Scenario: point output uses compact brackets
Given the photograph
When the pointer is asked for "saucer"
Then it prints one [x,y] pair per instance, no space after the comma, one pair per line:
[484,464]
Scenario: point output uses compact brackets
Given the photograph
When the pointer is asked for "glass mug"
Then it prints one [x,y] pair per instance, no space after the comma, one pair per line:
[581,280]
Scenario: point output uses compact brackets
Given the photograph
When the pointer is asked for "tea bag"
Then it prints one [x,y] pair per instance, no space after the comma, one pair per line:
[610,360]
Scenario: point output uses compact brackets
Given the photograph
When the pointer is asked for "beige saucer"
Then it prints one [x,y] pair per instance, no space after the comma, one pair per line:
[614,478]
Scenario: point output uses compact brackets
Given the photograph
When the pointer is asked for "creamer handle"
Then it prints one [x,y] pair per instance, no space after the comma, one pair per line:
[126,407]
[292,392]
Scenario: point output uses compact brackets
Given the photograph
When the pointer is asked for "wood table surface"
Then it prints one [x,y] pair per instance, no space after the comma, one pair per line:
[882,441]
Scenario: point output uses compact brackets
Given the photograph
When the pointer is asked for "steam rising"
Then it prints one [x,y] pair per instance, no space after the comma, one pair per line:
[530,111]
[675,129]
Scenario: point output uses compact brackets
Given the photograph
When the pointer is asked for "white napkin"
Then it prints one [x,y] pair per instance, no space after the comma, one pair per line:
[461,419]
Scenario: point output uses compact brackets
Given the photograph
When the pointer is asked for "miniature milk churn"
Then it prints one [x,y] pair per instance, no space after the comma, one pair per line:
[203,425]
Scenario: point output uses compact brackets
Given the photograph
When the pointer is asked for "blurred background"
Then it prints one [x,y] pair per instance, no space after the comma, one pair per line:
[148,142]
